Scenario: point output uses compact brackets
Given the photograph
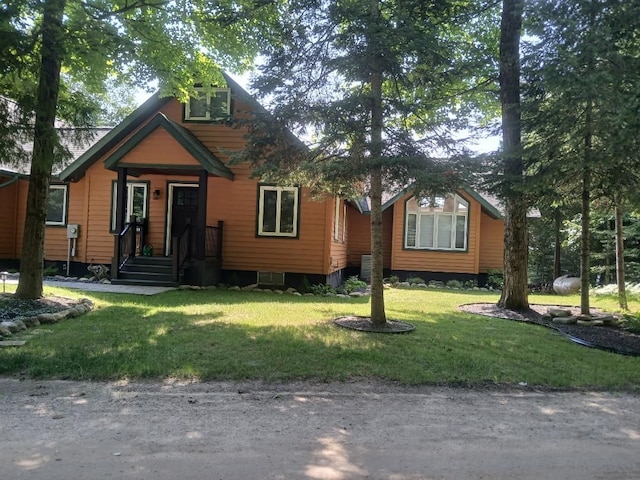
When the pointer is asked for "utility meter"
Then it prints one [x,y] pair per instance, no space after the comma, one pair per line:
[72,231]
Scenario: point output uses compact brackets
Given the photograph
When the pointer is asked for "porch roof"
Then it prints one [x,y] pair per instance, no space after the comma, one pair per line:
[206,159]
[77,169]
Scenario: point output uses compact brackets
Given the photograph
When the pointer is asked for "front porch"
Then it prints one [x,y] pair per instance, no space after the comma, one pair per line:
[186,264]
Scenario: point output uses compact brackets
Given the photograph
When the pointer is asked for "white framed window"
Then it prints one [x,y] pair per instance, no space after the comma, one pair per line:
[57,205]
[336,221]
[278,211]
[437,223]
[206,106]
[137,201]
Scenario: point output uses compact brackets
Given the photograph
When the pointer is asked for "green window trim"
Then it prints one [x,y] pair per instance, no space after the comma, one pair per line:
[208,106]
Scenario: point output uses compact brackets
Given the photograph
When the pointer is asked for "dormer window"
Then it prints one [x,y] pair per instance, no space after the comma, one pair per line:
[211,105]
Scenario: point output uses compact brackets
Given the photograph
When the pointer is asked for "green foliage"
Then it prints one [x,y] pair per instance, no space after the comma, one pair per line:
[470,284]
[321,289]
[495,278]
[631,323]
[50,271]
[305,286]
[414,280]
[454,284]
[393,279]
[352,284]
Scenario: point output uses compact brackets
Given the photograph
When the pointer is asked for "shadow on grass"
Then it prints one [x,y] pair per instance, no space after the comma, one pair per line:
[131,341]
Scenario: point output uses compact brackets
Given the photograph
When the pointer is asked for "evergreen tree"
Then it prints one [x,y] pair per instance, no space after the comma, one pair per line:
[374,87]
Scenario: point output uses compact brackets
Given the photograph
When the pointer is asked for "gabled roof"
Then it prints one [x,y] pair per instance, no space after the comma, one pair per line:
[486,202]
[77,169]
[183,136]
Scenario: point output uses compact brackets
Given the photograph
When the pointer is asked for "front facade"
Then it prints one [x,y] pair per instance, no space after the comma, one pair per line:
[160,187]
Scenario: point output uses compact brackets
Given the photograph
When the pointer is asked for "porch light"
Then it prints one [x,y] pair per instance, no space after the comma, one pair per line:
[3,275]
[156,194]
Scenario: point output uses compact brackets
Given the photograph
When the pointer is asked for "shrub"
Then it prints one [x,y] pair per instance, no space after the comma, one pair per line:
[392,279]
[495,278]
[49,271]
[631,323]
[454,284]
[352,284]
[470,284]
[321,289]
[305,286]
[414,280]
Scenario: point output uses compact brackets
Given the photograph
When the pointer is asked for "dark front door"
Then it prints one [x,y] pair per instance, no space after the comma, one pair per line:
[184,210]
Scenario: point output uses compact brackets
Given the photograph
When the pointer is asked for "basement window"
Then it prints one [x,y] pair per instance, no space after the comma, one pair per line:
[271,278]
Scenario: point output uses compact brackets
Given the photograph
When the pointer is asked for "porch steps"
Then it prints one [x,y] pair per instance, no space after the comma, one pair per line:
[152,271]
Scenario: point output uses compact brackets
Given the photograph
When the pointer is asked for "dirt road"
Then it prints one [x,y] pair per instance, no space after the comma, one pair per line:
[71,430]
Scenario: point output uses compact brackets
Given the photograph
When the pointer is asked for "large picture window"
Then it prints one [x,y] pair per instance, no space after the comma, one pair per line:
[438,223]
[278,211]
[57,205]
[207,106]
[136,204]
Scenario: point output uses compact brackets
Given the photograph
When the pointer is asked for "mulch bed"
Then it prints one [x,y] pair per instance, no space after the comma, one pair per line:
[364,324]
[13,307]
[613,339]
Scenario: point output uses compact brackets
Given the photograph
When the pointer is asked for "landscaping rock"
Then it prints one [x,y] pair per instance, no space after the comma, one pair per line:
[250,287]
[565,320]
[291,290]
[31,321]
[11,325]
[278,292]
[4,331]
[591,323]
[12,343]
[559,312]
[47,318]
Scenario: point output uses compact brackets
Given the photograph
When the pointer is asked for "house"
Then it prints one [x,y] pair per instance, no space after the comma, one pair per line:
[158,200]
[454,237]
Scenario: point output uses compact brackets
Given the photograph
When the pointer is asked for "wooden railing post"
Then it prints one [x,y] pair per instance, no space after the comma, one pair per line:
[175,261]
[219,241]
[115,264]
[134,237]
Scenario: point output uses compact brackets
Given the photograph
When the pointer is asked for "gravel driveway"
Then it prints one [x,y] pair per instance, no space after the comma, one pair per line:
[74,430]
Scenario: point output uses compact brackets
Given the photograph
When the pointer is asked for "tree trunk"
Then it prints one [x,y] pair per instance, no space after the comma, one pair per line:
[378,315]
[585,267]
[31,264]
[515,291]
[620,275]
[557,247]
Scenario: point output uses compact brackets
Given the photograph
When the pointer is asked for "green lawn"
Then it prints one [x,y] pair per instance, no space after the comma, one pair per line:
[231,335]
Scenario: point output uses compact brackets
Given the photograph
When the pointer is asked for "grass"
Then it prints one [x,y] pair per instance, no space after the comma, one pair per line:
[231,335]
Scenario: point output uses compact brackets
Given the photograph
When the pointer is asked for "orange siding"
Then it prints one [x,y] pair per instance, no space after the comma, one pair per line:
[338,248]
[159,148]
[233,202]
[359,227]
[491,243]
[8,209]
[436,261]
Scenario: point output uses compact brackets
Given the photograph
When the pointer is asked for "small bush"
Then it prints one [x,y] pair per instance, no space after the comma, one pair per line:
[321,289]
[49,271]
[454,284]
[392,279]
[305,286]
[495,278]
[352,284]
[631,323]
[415,280]
[470,284]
